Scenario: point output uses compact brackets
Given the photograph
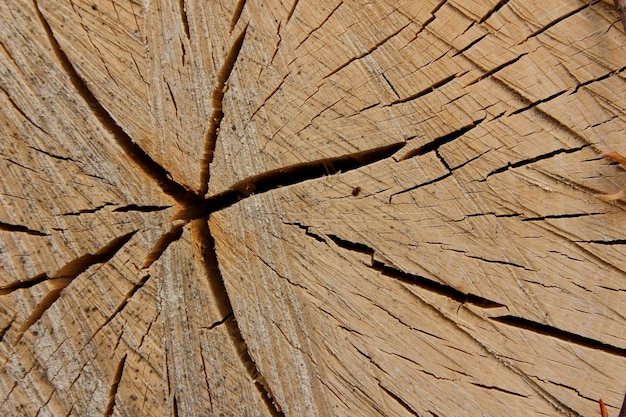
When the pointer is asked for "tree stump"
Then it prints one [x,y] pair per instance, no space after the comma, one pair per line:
[311,208]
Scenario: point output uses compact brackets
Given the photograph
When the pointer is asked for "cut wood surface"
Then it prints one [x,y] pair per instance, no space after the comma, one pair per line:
[262,208]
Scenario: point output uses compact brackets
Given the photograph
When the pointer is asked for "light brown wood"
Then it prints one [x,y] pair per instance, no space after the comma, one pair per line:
[312,208]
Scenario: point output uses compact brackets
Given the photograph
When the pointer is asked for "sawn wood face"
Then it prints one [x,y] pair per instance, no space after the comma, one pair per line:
[312,208]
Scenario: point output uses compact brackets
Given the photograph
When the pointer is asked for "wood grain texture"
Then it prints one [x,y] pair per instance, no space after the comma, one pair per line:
[246,208]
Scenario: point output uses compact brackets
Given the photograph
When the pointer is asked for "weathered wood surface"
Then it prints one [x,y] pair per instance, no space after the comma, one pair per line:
[311,208]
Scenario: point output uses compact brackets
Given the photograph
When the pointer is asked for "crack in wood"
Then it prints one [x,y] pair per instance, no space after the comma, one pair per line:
[556,21]
[27,283]
[117,377]
[315,29]
[438,142]
[422,93]
[182,7]
[495,9]
[560,334]
[215,121]
[134,152]
[366,53]
[417,280]
[8,227]
[64,277]
[236,14]
[534,159]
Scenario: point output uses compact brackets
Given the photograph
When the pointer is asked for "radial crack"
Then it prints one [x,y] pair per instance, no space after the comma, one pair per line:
[218,113]
[137,155]
[64,277]
[114,386]
[560,334]
[21,229]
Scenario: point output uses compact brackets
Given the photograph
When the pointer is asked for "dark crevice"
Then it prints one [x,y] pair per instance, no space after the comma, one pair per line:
[560,216]
[417,280]
[435,287]
[595,80]
[62,158]
[547,26]
[293,9]
[536,103]
[217,97]
[64,277]
[604,242]
[399,400]
[137,155]
[308,232]
[183,17]
[114,386]
[169,89]
[493,10]
[175,232]
[469,46]
[352,246]
[8,227]
[84,211]
[424,92]
[27,283]
[290,175]
[391,87]
[534,159]
[202,234]
[557,333]
[174,406]
[219,322]
[489,387]
[423,184]
[440,141]
[497,261]
[496,69]
[236,14]
[142,209]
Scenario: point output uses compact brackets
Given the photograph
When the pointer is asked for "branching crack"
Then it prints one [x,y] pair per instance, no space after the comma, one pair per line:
[440,141]
[417,280]
[64,276]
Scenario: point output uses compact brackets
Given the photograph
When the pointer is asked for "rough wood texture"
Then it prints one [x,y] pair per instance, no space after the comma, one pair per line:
[311,208]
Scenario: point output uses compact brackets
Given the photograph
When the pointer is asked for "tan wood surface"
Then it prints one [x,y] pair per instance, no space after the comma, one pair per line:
[250,208]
